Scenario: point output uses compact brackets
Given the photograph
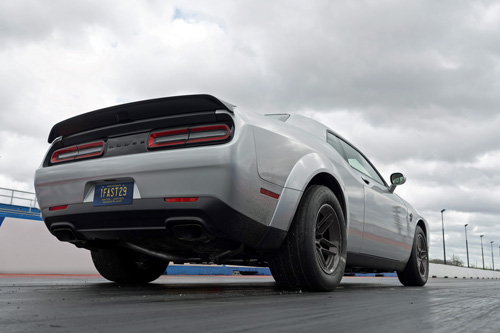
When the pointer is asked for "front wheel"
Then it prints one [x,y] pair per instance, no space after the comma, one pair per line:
[313,255]
[416,271]
[124,266]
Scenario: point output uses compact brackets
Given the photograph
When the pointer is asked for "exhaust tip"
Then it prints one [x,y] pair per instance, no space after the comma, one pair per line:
[191,233]
[65,235]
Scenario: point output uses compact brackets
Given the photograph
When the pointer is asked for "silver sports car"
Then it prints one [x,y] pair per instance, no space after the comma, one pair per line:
[190,179]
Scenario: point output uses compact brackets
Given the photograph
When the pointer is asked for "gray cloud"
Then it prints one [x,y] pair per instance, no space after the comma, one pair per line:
[32,21]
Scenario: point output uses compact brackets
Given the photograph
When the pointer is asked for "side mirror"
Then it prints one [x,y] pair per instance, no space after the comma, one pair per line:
[396,180]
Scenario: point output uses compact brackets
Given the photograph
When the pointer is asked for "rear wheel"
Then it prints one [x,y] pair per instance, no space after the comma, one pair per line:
[416,271]
[124,266]
[313,255]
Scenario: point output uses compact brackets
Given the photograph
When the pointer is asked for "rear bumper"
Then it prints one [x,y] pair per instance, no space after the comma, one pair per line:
[154,219]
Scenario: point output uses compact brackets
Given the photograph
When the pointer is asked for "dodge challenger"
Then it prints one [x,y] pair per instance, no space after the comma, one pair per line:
[192,179]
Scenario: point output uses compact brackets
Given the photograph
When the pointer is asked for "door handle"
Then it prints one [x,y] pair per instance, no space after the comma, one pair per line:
[367,182]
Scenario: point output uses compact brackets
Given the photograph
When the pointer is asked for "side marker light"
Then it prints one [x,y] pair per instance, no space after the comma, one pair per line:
[269,193]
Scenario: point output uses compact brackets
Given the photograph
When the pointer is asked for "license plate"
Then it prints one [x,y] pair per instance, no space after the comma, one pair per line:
[114,194]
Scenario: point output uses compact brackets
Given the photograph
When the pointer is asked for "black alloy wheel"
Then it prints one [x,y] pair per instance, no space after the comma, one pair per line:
[422,257]
[328,237]
[313,255]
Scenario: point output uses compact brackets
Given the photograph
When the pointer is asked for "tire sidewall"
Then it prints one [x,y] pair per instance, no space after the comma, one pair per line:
[314,198]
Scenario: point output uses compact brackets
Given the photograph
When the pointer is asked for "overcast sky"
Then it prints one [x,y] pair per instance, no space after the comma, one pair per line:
[414,84]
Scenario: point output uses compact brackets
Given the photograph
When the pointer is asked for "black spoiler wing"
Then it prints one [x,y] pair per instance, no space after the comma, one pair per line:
[130,112]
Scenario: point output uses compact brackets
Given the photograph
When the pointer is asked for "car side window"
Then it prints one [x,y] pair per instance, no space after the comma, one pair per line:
[358,162]
[335,143]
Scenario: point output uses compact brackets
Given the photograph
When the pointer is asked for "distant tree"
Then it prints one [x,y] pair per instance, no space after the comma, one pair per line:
[436,261]
[454,261]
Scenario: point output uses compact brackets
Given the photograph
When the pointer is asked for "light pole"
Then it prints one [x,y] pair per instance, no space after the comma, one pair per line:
[442,224]
[482,252]
[492,259]
[467,245]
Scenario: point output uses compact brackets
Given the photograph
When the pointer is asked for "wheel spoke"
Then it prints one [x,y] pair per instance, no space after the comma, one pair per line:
[328,252]
[319,254]
[324,224]
[422,268]
[422,248]
[325,243]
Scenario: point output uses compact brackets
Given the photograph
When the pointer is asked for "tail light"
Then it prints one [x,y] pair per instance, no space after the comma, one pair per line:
[78,152]
[168,138]
[189,135]
[90,149]
[182,199]
[58,208]
[65,154]
[208,133]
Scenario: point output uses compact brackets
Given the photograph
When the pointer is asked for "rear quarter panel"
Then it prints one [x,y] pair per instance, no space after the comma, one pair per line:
[290,157]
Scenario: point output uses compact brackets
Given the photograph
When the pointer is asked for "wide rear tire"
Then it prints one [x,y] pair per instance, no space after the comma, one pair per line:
[416,271]
[313,255]
[124,266]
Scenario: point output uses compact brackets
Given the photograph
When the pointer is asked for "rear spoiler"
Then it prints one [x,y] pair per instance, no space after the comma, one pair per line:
[130,112]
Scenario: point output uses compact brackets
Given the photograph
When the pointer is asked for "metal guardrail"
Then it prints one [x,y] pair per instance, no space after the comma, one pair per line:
[18,198]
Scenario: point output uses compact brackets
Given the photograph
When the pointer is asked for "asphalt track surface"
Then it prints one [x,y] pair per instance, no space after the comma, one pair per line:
[230,304]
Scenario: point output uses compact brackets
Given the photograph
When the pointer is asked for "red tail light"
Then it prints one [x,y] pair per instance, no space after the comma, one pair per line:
[90,149]
[58,207]
[181,199]
[168,138]
[65,154]
[78,152]
[188,135]
[208,133]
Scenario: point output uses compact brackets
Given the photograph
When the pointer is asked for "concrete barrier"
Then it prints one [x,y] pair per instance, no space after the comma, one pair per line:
[447,271]
[27,247]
